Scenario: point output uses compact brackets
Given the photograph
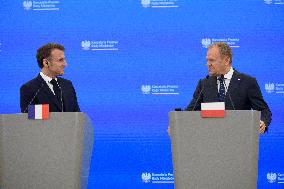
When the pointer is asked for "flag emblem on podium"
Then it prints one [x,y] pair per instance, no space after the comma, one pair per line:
[213,109]
[38,111]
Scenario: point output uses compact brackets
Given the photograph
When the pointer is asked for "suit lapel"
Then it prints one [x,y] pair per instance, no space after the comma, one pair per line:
[49,93]
[213,89]
[233,86]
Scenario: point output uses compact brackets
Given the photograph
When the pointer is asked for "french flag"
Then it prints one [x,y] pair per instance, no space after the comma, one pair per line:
[213,109]
[38,111]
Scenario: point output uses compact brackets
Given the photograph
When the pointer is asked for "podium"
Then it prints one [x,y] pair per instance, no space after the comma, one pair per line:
[215,153]
[52,153]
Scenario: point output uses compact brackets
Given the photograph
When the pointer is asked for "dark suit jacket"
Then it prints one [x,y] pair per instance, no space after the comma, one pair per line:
[243,89]
[45,96]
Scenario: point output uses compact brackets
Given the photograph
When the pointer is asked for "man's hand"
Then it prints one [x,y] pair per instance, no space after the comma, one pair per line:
[169,131]
[262,127]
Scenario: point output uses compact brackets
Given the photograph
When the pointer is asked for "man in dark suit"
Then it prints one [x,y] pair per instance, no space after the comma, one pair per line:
[47,87]
[238,91]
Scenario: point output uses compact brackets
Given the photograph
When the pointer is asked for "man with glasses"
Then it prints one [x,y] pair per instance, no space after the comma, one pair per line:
[47,87]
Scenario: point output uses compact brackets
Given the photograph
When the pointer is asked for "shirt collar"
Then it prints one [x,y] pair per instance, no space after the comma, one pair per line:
[229,75]
[46,78]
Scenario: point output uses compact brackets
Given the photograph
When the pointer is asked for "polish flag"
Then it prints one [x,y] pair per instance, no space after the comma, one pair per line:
[213,109]
[38,111]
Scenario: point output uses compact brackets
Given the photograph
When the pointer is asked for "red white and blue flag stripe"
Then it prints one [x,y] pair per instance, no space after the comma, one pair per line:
[38,111]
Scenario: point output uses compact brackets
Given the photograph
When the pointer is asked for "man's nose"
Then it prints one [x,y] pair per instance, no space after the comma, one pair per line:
[65,63]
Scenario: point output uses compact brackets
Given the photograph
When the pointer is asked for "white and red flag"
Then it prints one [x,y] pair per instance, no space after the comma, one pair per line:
[213,109]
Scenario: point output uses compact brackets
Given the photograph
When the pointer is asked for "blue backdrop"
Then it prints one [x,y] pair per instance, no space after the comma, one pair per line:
[133,61]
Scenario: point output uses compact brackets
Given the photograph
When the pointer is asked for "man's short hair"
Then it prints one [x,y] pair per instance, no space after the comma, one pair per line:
[224,49]
[45,51]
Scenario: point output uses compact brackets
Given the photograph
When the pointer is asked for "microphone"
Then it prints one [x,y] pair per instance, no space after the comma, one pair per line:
[202,83]
[61,98]
[25,111]
[231,101]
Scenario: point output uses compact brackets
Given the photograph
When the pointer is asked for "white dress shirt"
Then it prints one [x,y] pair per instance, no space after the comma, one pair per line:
[227,78]
[47,80]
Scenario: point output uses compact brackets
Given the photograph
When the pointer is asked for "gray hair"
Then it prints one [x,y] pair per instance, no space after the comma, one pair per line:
[224,49]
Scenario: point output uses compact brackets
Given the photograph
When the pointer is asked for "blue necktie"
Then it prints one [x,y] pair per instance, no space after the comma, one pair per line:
[222,91]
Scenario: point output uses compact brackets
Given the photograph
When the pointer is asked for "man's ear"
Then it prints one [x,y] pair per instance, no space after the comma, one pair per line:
[45,63]
[227,60]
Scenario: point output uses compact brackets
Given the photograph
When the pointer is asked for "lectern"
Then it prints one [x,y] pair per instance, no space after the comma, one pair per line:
[215,153]
[52,153]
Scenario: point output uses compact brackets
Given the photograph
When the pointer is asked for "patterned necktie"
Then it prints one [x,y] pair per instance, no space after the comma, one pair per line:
[56,89]
[222,91]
